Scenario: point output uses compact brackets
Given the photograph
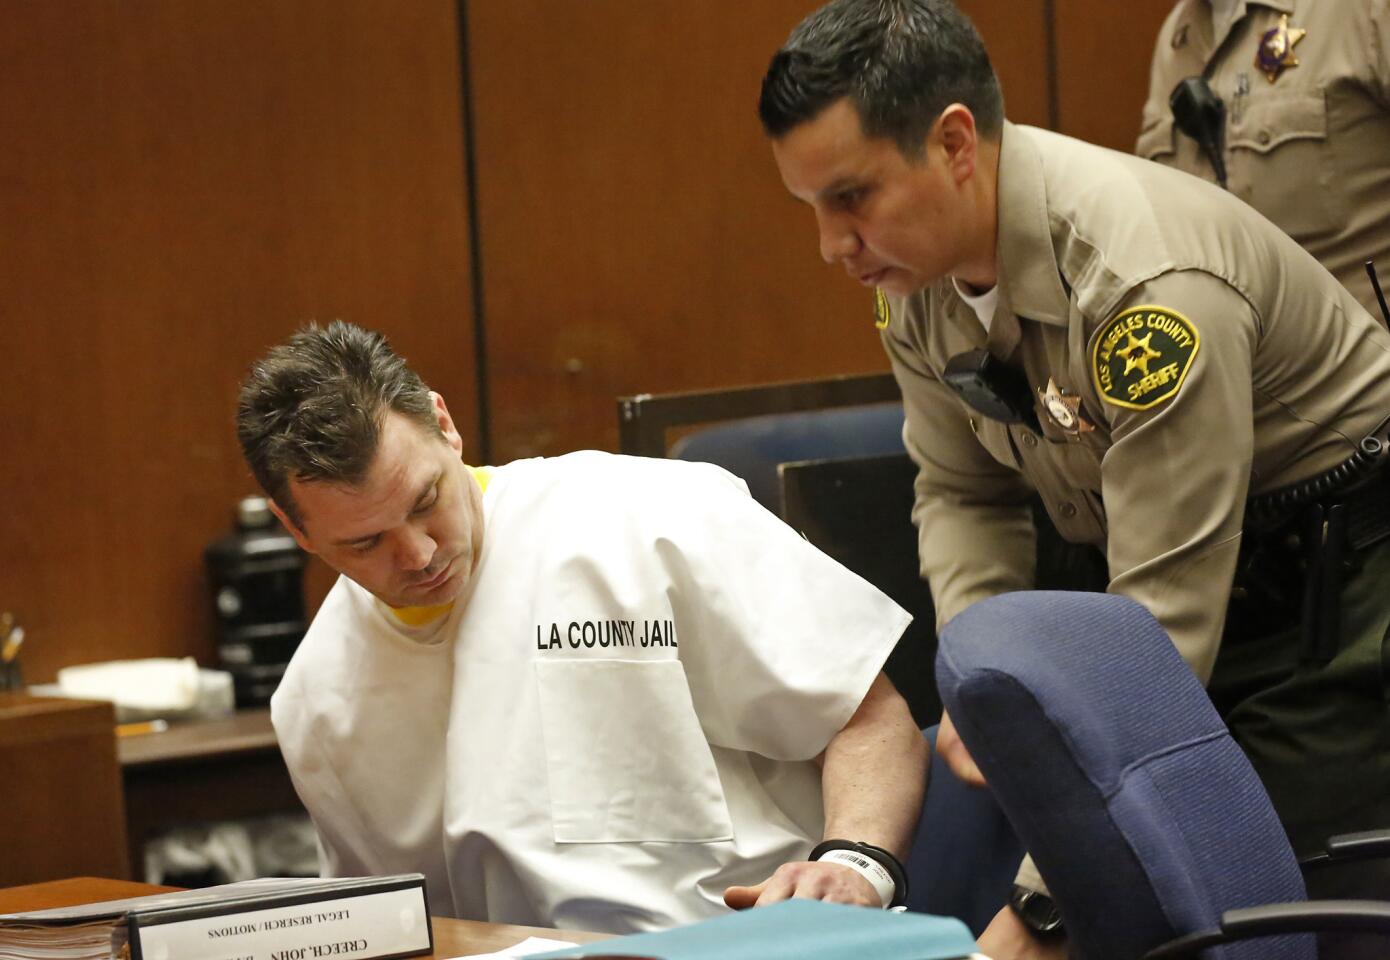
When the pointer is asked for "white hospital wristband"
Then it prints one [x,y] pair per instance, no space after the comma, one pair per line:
[870,870]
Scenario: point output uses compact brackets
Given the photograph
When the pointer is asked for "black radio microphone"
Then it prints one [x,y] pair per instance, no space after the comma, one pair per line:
[1375,285]
[1200,114]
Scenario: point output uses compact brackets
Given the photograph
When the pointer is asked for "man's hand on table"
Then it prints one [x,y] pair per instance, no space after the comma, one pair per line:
[1006,938]
[811,880]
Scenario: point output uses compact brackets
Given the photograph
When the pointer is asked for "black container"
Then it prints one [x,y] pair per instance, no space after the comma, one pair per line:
[257,579]
[253,685]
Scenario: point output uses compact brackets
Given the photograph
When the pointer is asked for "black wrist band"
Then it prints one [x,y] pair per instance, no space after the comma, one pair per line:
[882,857]
[1037,912]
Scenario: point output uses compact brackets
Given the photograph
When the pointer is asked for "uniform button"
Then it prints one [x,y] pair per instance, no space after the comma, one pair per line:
[1068,509]
[1264,138]
[1029,440]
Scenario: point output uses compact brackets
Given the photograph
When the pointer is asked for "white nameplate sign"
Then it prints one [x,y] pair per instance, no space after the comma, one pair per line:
[368,926]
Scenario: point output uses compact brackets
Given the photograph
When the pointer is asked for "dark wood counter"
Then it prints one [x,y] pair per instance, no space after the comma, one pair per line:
[200,771]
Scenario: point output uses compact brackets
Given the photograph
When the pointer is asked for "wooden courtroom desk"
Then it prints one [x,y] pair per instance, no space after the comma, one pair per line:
[452,938]
[200,771]
[63,810]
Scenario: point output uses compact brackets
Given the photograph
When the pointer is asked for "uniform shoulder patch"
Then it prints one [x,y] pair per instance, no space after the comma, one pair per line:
[1141,356]
[881,312]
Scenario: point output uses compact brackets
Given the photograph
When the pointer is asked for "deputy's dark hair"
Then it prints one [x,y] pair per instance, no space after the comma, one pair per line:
[313,407]
[901,62]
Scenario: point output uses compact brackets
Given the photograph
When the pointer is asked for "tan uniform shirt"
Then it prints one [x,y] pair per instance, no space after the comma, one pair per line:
[1310,149]
[1249,368]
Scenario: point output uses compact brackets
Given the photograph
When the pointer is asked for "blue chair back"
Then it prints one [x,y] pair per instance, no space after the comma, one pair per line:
[1106,755]
[965,855]
[753,447]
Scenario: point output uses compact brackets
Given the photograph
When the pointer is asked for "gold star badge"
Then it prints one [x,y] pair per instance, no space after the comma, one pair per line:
[1138,353]
[1064,409]
[1275,53]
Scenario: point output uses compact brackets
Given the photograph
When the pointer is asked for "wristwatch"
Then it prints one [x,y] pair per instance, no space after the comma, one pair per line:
[1037,911]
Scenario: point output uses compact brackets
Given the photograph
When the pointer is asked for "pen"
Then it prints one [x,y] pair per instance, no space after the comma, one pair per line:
[139,729]
[12,645]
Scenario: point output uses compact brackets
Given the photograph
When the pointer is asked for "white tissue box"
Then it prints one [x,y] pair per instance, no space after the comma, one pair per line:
[157,688]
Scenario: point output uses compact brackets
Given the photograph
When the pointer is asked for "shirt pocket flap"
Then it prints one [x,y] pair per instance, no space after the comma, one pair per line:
[1276,118]
[994,437]
[1079,464]
[1156,139]
[626,758]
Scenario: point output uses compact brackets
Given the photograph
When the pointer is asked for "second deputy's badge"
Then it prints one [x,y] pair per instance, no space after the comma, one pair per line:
[1275,53]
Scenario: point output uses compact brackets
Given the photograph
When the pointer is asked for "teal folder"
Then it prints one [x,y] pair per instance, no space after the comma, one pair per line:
[795,930]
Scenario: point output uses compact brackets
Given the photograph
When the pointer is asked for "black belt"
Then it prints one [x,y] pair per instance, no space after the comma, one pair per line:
[1306,557]
[1360,469]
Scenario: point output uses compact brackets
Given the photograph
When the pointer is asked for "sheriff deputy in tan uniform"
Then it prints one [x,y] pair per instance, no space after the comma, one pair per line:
[1305,86]
[1183,385]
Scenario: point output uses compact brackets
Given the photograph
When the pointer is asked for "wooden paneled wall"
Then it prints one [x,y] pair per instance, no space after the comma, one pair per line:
[184,183]
[1102,72]
[635,234]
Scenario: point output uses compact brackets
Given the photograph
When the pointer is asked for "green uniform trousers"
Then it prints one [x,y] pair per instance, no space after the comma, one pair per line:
[1317,732]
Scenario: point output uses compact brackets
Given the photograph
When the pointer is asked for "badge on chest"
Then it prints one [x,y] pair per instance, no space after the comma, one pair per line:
[1275,53]
[1064,409]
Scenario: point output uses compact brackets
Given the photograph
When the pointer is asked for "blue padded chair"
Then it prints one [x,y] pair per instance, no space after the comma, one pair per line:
[1106,755]
[965,855]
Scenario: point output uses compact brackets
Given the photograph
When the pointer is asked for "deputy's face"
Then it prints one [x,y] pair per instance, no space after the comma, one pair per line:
[888,220]
[412,531]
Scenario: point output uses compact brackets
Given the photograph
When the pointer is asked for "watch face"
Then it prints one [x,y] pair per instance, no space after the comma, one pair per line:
[1036,910]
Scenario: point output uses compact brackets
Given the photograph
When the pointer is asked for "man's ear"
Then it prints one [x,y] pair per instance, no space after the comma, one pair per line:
[959,140]
[446,423]
[290,525]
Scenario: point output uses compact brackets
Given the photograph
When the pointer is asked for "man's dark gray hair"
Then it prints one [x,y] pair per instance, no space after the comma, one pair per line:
[313,407]
[901,62]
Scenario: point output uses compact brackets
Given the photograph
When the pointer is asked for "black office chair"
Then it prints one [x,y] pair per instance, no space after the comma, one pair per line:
[1150,826]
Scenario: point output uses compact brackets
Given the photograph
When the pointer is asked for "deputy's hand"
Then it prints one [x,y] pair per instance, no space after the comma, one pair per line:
[1006,938]
[810,880]
[949,745]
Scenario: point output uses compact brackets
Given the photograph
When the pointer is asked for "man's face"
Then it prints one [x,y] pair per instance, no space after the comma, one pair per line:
[891,222]
[412,531]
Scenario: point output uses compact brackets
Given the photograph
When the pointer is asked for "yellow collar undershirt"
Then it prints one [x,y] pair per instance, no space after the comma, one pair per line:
[419,616]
